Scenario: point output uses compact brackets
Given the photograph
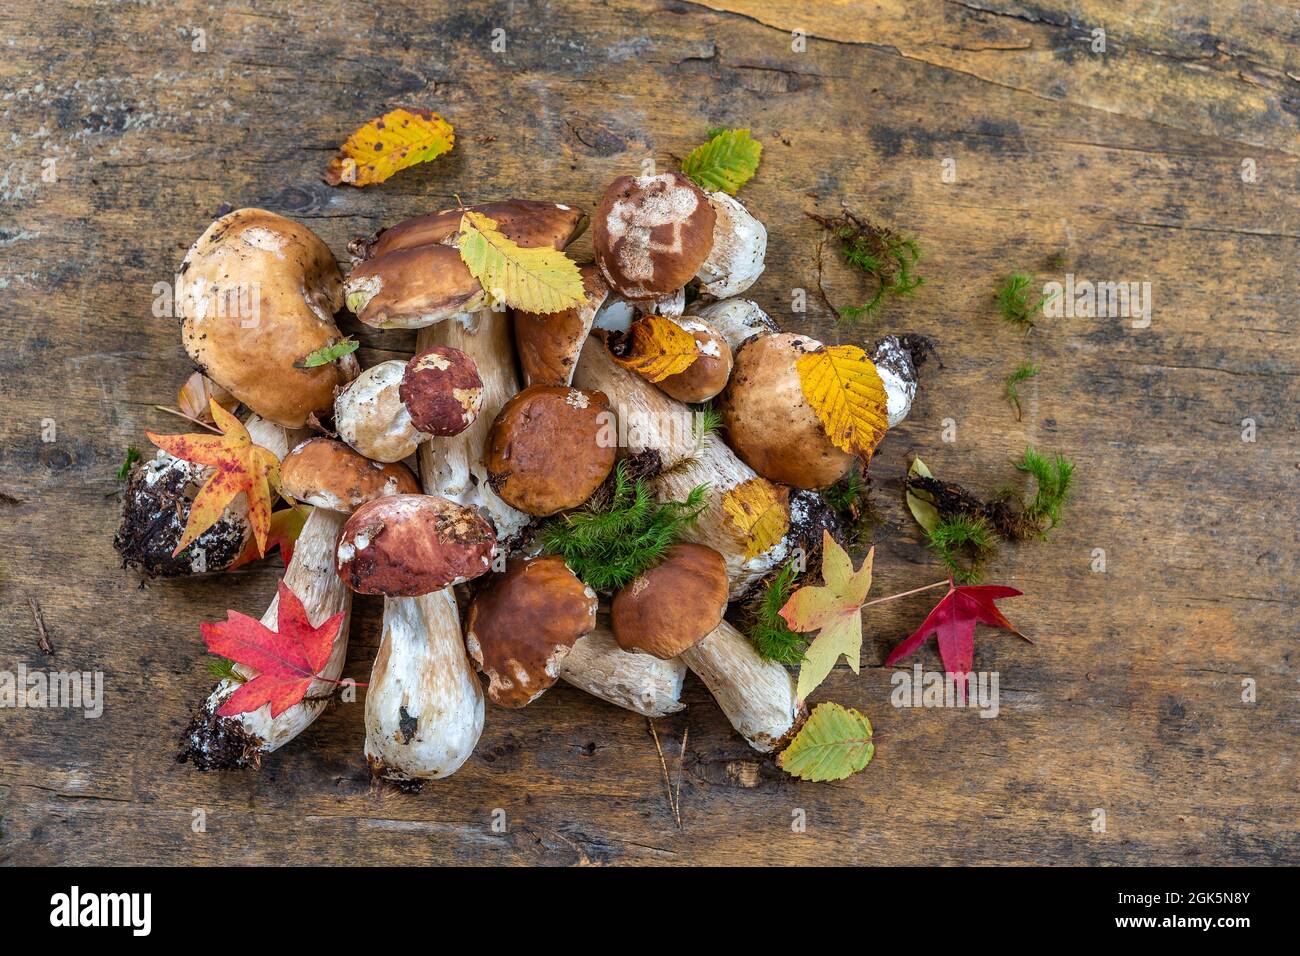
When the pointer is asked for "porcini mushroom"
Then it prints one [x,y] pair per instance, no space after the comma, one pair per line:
[331,473]
[424,706]
[735,259]
[412,276]
[390,408]
[156,507]
[549,343]
[258,294]
[736,320]
[522,626]
[651,234]
[549,448]
[708,374]
[675,609]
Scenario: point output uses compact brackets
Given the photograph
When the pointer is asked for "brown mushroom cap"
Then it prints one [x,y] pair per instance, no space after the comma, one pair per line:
[708,374]
[408,545]
[651,234]
[672,606]
[258,293]
[526,221]
[330,475]
[549,344]
[770,424]
[521,627]
[442,391]
[550,448]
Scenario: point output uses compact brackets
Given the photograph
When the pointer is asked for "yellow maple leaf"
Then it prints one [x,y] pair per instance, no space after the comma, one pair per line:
[539,279]
[834,610]
[388,145]
[660,348]
[845,391]
[237,465]
[761,511]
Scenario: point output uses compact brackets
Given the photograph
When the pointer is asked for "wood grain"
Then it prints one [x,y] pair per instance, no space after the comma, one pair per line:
[1126,164]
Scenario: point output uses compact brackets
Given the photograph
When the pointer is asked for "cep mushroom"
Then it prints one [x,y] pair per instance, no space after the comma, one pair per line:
[156,507]
[549,343]
[550,448]
[258,295]
[334,477]
[412,276]
[675,609]
[523,625]
[708,373]
[735,260]
[392,407]
[424,705]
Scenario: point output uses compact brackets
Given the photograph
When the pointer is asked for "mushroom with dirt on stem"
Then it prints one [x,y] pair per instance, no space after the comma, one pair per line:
[424,704]
[257,294]
[334,477]
[393,407]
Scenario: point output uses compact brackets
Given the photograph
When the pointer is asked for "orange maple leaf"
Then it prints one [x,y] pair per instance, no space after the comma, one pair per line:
[238,465]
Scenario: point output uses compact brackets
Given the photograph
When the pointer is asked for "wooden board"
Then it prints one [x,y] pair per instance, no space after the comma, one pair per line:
[1173,157]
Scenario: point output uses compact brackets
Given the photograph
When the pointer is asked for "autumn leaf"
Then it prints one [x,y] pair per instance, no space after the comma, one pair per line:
[833,743]
[198,393]
[287,659]
[389,144]
[760,510]
[844,389]
[726,162]
[238,465]
[540,279]
[921,503]
[834,610]
[660,348]
[329,353]
[286,525]
[953,621]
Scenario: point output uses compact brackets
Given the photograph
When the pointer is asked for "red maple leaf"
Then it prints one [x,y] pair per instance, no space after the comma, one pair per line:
[953,620]
[287,659]
[286,525]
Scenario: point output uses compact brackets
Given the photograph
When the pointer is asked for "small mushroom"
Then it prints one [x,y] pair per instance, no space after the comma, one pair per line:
[549,344]
[412,276]
[329,474]
[258,293]
[709,373]
[770,424]
[670,607]
[523,625]
[390,408]
[407,545]
[735,260]
[550,448]
[651,234]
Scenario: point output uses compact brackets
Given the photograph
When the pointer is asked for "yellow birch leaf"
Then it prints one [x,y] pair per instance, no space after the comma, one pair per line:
[833,743]
[539,279]
[921,503]
[388,145]
[660,348]
[845,391]
[761,511]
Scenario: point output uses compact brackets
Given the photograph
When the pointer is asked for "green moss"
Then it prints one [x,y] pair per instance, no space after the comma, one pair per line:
[768,632]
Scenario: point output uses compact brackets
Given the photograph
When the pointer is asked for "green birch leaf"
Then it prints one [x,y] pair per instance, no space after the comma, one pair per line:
[726,162]
[921,503]
[833,743]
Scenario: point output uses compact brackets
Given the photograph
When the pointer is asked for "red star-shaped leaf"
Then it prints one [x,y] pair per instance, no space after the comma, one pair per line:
[953,620]
[287,659]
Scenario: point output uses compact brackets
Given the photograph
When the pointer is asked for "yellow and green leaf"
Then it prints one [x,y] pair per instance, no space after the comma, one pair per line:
[539,279]
[833,743]
[389,144]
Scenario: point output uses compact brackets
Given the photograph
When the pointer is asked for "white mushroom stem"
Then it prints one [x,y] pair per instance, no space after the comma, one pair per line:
[424,705]
[758,696]
[636,682]
[228,742]
[737,320]
[716,467]
[453,467]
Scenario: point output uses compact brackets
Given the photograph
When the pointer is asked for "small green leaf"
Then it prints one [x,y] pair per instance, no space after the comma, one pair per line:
[921,503]
[726,162]
[132,456]
[834,743]
[329,353]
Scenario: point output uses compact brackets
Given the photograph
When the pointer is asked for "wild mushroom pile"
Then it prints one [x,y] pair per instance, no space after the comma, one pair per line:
[578,514]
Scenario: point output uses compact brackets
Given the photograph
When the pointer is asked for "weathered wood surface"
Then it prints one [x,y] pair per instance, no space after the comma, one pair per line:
[1128,163]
